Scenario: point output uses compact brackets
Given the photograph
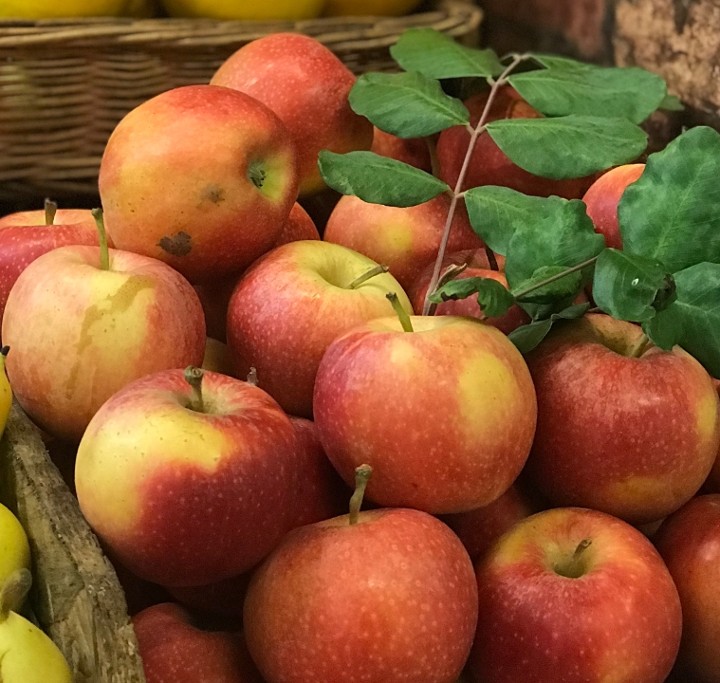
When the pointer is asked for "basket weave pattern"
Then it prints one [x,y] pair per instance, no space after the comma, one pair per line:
[64,85]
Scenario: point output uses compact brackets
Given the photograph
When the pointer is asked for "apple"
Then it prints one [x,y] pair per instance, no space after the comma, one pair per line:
[574,595]
[201,177]
[444,414]
[380,595]
[689,542]
[247,10]
[713,480]
[307,86]
[475,263]
[173,648]
[24,236]
[406,239]
[222,600]
[413,151]
[382,8]
[81,329]
[480,528]
[14,550]
[291,303]
[623,426]
[488,164]
[188,477]
[298,226]
[602,199]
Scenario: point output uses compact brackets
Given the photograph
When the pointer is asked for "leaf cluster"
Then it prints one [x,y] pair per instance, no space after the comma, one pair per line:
[666,277]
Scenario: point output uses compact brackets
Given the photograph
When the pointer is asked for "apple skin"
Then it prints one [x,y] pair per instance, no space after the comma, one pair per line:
[602,199]
[233,180]
[632,436]
[413,151]
[36,217]
[619,620]
[406,239]
[290,304]
[80,333]
[713,480]
[173,648]
[298,226]
[389,598]
[444,415]
[196,497]
[488,164]
[307,86]
[689,542]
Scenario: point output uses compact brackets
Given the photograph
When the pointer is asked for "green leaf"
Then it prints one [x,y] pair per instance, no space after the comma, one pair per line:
[693,319]
[672,212]
[527,337]
[496,213]
[564,287]
[438,55]
[568,146]
[574,88]
[630,287]
[493,298]
[408,105]
[378,179]
[672,103]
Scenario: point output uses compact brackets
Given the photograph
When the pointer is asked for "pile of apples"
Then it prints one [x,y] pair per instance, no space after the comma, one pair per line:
[553,517]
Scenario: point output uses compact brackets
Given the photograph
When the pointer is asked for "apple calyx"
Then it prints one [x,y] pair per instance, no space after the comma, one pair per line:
[361,279]
[574,566]
[14,591]
[362,477]
[400,312]
[97,214]
[51,208]
[194,376]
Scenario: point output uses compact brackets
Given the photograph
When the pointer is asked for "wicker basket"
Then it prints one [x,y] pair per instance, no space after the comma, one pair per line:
[65,84]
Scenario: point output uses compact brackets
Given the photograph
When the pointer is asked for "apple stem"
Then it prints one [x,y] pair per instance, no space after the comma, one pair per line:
[574,568]
[252,376]
[401,313]
[640,346]
[50,211]
[194,376]
[375,270]
[362,477]
[97,214]
[456,194]
[14,591]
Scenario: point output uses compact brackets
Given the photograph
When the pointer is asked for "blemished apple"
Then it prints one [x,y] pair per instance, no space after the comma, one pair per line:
[602,199]
[291,303]
[406,239]
[24,236]
[623,426]
[413,151]
[578,596]
[689,542]
[201,177]
[476,265]
[488,164]
[307,86]
[174,648]
[444,414]
[385,595]
[81,330]
[185,485]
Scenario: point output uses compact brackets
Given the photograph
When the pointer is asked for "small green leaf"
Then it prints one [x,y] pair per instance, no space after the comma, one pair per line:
[493,297]
[672,212]
[532,291]
[560,90]
[378,179]
[630,287]
[672,103]
[568,146]
[438,55]
[408,105]
[527,337]
[693,320]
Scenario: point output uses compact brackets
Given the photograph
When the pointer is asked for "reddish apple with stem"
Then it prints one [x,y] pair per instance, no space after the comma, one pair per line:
[574,595]
[378,595]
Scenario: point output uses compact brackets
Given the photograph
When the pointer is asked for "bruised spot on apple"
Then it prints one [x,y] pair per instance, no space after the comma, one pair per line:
[179,244]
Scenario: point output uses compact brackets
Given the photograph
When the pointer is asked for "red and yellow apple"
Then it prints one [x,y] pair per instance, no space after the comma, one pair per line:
[413,151]
[307,86]
[201,177]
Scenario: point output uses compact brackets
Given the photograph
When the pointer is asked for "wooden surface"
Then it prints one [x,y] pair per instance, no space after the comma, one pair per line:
[76,596]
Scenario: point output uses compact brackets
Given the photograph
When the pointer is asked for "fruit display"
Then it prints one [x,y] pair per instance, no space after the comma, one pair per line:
[462,426]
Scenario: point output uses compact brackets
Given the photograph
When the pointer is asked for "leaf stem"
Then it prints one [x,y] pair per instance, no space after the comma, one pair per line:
[537,285]
[495,85]
[97,214]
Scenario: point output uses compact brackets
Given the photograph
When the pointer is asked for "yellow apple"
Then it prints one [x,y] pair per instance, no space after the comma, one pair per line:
[381,8]
[14,548]
[289,10]
[51,9]
[5,391]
